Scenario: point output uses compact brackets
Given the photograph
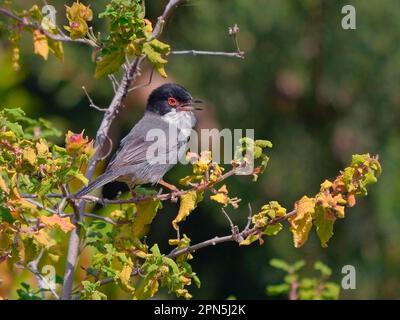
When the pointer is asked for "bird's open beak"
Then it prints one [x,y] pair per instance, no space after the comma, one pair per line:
[192,105]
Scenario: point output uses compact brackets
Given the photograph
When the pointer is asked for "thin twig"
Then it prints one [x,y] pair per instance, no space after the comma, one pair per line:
[144,85]
[41,206]
[239,54]
[249,217]
[91,103]
[42,281]
[114,82]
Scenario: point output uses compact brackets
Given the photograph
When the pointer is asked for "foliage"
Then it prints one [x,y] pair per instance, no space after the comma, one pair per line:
[304,288]
[37,176]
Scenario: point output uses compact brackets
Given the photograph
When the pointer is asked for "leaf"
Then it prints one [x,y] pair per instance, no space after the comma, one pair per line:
[273,229]
[280,264]
[154,50]
[3,186]
[125,276]
[43,238]
[56,47]
[63,223]
[323,225]
[249,240]
[278,289]
[42,147]
[323,268]
[220,198]
[146,211]
[81,178]
[109,63]
[301,222]
[189,202]
[30,156]
[40,44]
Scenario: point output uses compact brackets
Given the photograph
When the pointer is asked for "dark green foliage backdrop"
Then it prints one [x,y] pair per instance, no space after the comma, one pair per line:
[320,93]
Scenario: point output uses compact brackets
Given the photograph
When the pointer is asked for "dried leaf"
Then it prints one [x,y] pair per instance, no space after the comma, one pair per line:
[301,222]
[40,44]
[63,223]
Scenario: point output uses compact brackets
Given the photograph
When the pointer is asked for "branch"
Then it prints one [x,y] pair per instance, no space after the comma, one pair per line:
[36,26]
[42,281]
[91,103]
[239,54]
[232,237]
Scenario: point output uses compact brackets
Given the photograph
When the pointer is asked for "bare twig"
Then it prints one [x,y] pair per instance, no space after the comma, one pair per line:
[91,103]
[249,217]
[105,219]
[114,82]
[144,85]
[41,206]
[42,281]
[238,54]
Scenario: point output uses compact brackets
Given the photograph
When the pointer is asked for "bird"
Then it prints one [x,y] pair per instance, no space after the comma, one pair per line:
[169,107]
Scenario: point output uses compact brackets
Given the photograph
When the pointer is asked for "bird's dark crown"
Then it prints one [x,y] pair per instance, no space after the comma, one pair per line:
[158,99]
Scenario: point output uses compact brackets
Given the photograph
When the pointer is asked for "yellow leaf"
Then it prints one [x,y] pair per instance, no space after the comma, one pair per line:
[3,186]
[42,147]
[125,276]
[301,222]
[40,44]
[326,185]
[43,238]
[63,223]
[220,197]
[188,204]
[30,156]
[223,189]
[81,178]
[8,135]
[56,47]
[146,211]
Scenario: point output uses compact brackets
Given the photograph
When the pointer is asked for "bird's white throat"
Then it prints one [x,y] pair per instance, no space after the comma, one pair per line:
[184,121]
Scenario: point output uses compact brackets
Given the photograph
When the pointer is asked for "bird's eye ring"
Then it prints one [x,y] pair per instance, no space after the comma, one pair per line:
[172,101]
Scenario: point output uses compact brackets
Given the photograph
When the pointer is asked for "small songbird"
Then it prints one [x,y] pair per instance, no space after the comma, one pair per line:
[169,109]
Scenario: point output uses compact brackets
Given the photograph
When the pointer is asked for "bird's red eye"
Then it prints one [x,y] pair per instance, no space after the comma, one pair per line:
[172,102]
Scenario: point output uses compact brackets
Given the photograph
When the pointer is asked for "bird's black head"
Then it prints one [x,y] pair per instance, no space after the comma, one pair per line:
[169,96]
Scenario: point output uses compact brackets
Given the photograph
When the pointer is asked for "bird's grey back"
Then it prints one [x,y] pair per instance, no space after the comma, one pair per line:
[132,159]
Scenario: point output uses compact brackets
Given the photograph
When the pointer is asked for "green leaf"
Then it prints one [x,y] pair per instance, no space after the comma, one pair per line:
[323,225]
[146,212]
[278,289]
[280,264]
[81,178]
[109,63]
[6,216]
[273,229]
[298,265]
[154,50]
[323,268]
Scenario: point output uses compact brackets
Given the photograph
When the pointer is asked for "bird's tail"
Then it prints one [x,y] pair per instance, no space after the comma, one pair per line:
[97,183]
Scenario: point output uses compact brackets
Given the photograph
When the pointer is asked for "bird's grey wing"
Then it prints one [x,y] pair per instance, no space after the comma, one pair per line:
[133,148]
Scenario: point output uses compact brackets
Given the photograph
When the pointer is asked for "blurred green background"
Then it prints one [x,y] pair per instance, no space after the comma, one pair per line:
[318,92]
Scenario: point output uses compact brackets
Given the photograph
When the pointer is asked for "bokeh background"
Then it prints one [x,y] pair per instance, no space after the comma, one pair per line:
[318,92]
